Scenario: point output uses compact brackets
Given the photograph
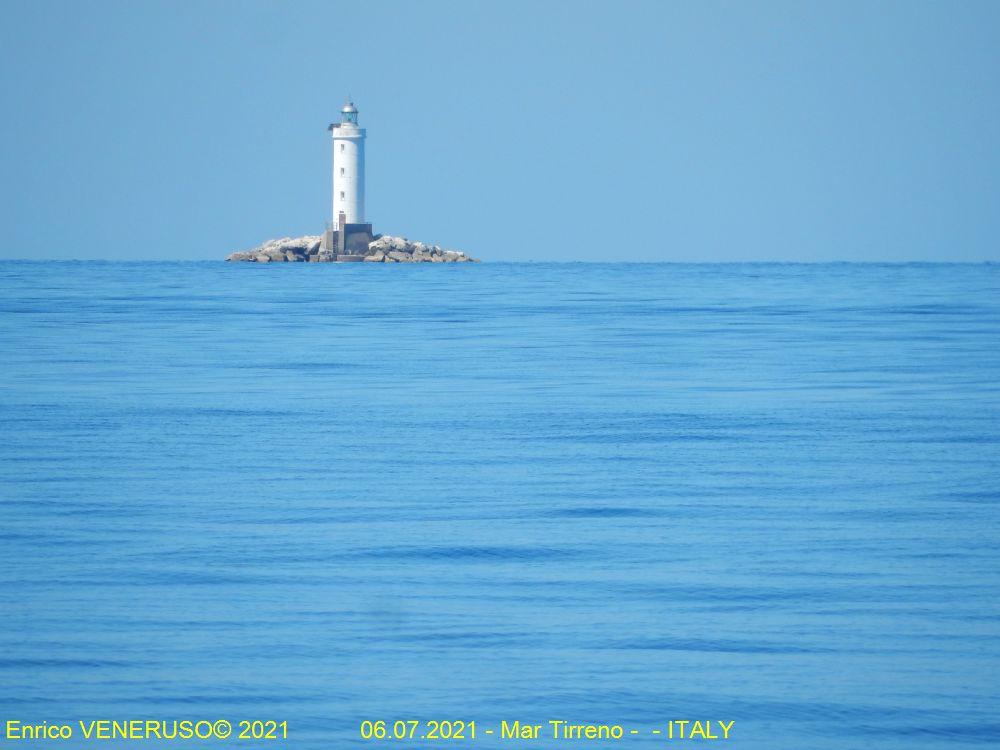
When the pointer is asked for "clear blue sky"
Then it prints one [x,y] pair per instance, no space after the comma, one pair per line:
[539,130]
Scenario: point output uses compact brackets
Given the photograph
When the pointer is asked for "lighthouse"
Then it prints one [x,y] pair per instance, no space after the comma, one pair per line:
[348,167]
[348,233]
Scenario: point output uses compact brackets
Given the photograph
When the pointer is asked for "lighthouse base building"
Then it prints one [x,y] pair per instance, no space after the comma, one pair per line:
[348,242]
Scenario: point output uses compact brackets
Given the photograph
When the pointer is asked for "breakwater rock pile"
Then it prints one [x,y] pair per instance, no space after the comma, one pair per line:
[287,249]
[384,249]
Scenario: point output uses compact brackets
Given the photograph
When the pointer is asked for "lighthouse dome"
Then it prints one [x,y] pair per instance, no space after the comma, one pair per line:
[349,113]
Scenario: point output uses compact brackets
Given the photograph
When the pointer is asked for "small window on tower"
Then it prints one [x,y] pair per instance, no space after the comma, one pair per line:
[341,148]
[341,195]
[341,171]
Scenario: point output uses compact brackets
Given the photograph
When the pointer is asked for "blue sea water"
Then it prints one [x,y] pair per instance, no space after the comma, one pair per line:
[613,493]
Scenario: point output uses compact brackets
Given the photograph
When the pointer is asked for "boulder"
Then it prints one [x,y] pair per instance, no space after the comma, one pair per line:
[261,258]
[376,257]
[278,250]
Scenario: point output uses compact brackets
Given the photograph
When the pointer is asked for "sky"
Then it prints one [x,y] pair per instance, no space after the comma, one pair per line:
[515,131]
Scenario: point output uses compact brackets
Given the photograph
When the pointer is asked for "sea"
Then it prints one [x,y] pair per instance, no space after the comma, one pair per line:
[625,495]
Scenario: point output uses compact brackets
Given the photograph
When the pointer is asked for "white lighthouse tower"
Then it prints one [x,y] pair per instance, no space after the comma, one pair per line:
[348,169]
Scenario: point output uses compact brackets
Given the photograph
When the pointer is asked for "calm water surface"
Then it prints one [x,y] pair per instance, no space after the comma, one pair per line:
[608,493]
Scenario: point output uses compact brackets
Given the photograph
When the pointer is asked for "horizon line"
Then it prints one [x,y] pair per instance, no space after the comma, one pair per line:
[553,262]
